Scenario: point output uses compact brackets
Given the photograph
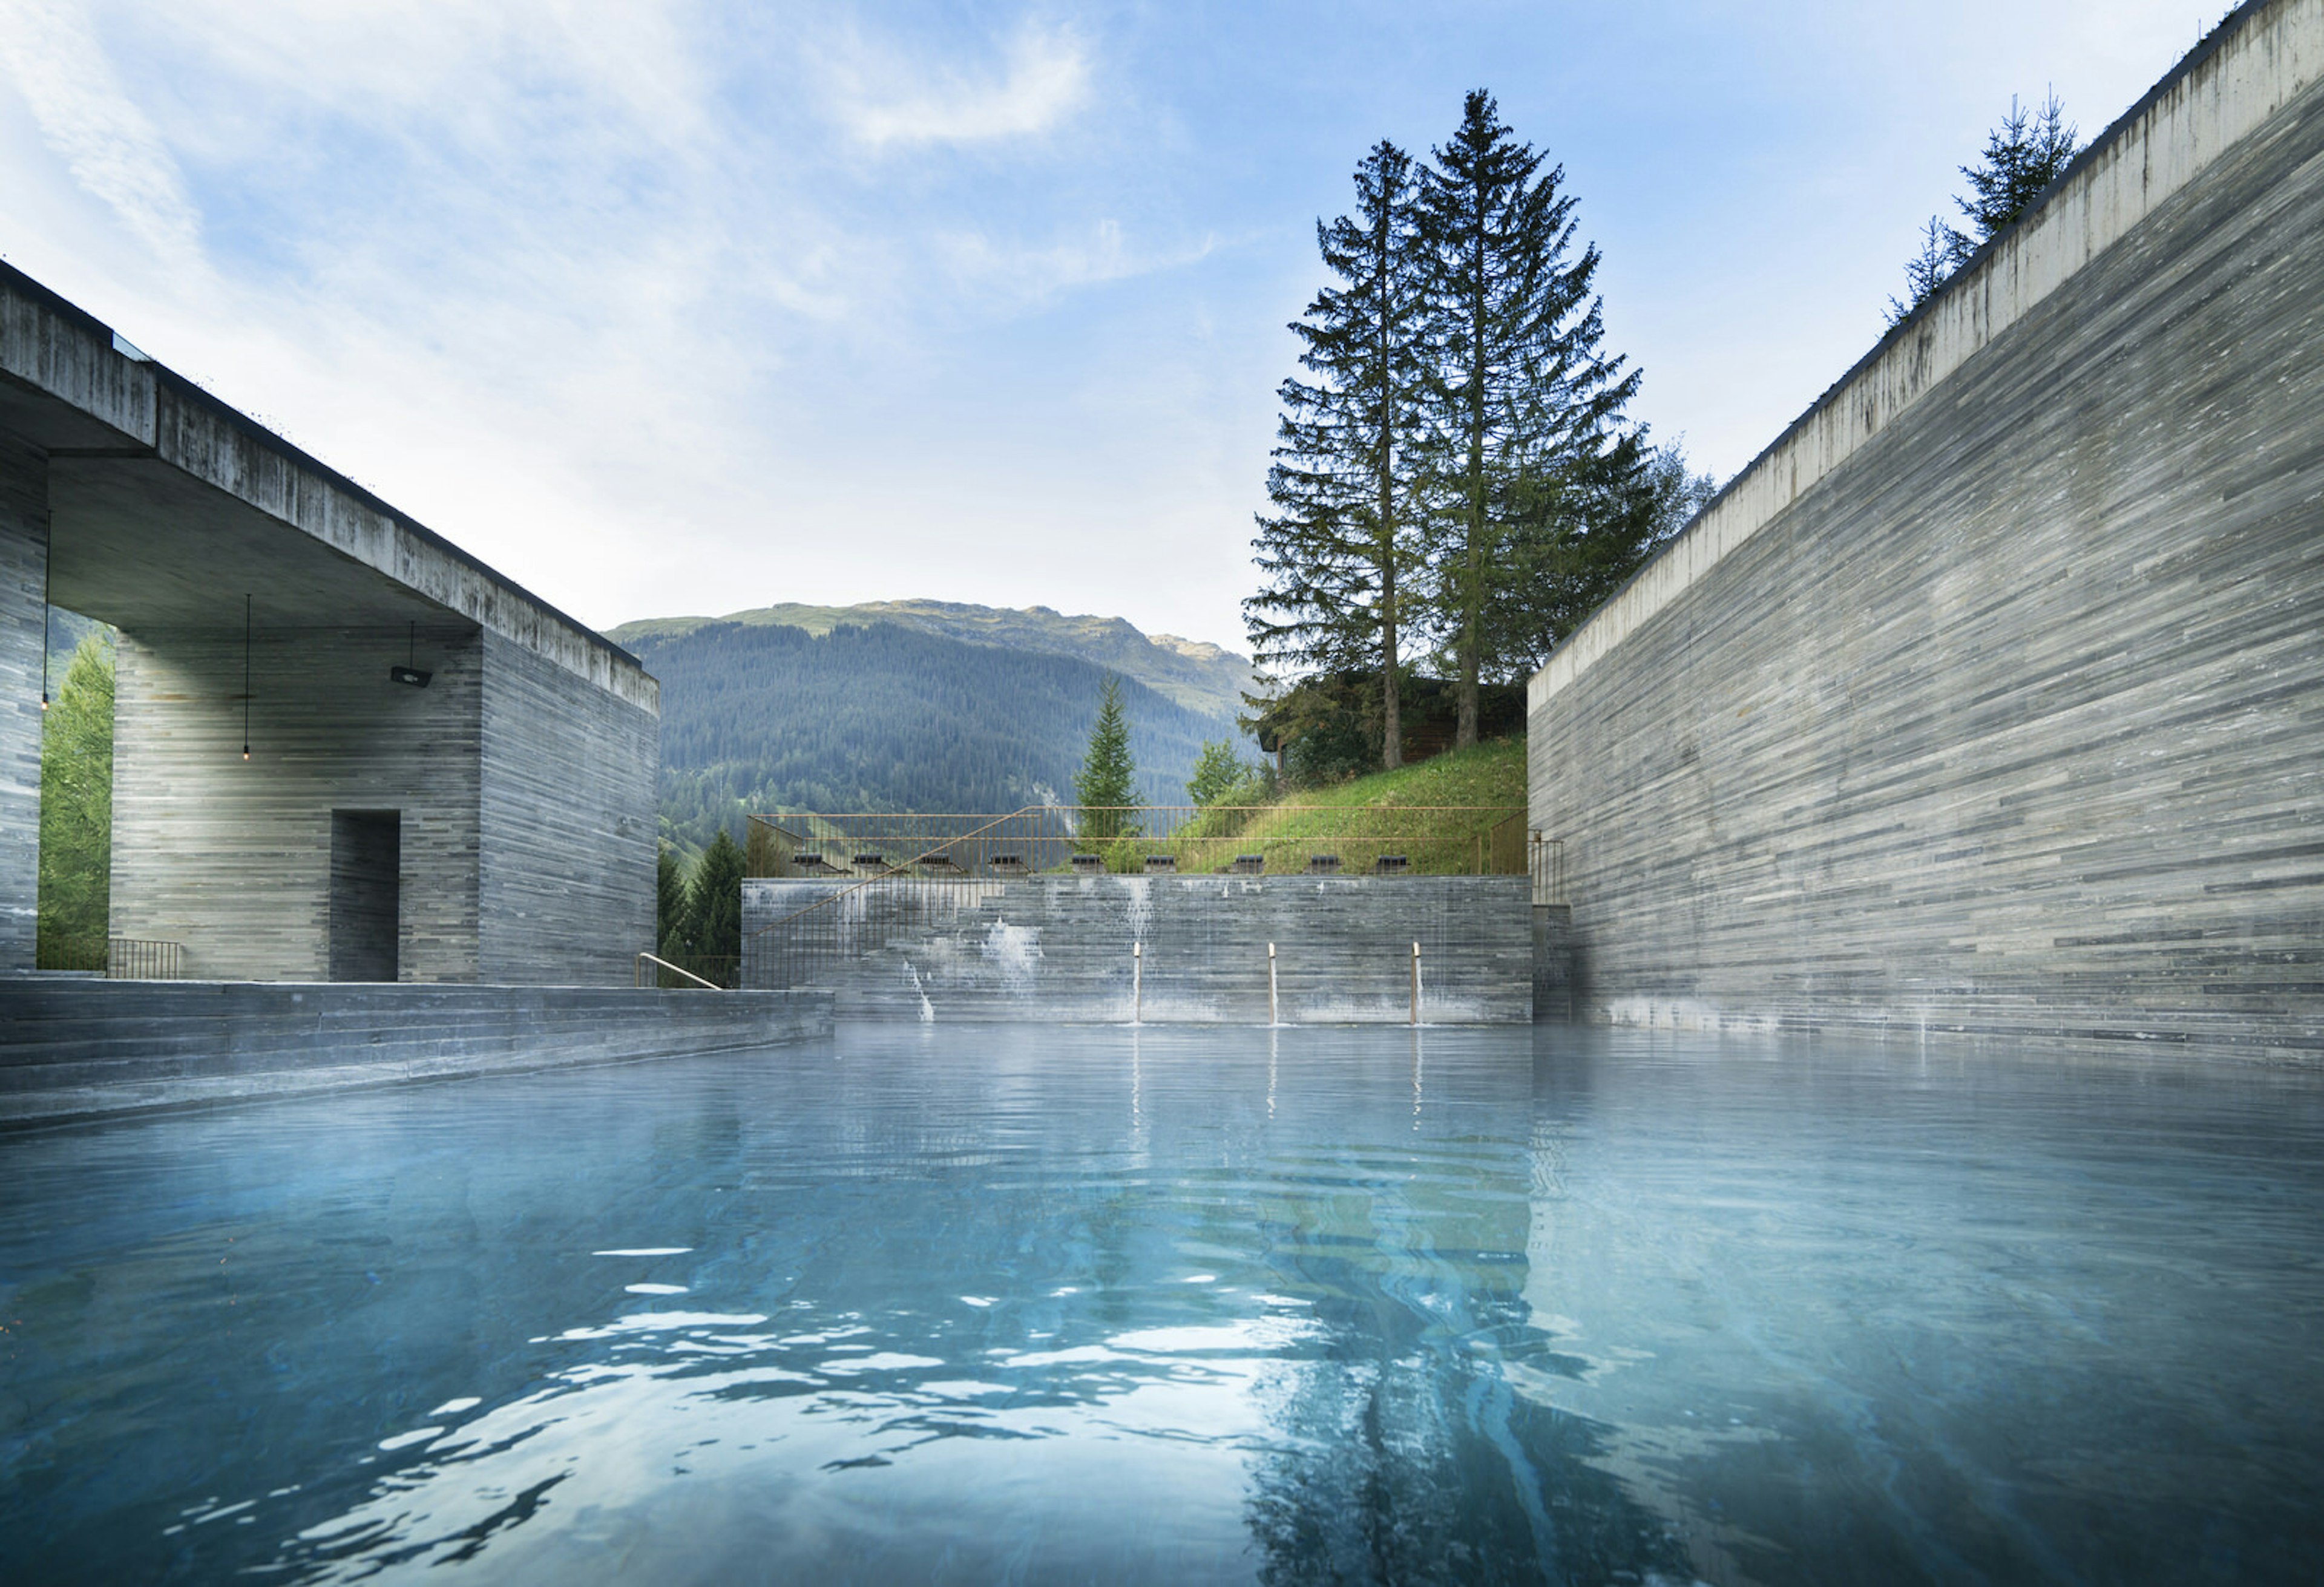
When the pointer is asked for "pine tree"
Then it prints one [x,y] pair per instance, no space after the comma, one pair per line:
[1521,395]
[669,902]
[1940,254]
[715,901]
[77,811]
[2025,153]
[1594,523]
[1340,545]
[1107,780]
[1218,772]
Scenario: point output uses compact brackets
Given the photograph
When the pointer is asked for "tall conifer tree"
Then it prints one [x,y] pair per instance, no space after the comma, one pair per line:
[1522,392]
[714,900]
[1342,544]
[1107,782]
[77,811]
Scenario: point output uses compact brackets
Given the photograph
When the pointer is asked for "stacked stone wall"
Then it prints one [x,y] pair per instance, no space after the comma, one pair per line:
[2009,718]
[1167,949]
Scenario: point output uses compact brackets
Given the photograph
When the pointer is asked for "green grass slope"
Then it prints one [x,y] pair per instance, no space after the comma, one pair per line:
[1451,815]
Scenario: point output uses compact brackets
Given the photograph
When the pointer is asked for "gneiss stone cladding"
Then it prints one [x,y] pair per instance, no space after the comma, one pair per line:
[78,1049]
[231,858]
[567,823]
[23,564]
[1062,948]
[2013,721]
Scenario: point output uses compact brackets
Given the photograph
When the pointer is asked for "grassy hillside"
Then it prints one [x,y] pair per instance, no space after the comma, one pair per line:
[1204,678]
[1396,812]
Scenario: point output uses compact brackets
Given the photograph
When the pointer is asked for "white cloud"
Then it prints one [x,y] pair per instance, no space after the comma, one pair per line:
[1034,273]
[107,142]
[1046,78]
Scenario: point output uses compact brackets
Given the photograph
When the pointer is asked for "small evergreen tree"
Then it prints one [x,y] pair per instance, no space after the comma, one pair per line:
[77,811]
[714,900]
[669,902]
[1341,547]
[1107,778]
[2025,153]
[1940,255]
[1521,395]
[1218,772]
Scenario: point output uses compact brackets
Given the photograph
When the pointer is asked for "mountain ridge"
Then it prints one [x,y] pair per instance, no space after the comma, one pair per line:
[1194,673]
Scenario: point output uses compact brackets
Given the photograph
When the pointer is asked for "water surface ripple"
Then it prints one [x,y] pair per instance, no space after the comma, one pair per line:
[1002,1304]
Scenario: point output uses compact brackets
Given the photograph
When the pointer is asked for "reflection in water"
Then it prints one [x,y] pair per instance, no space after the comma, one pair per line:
[1313,1306]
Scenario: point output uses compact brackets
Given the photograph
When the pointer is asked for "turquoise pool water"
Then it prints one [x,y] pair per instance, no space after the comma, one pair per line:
[1048,1305]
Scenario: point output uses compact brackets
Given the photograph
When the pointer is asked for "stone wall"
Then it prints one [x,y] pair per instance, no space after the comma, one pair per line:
[231,858]
[23,561]
[567,823]
[1062,948]
[76,1049]
[526,794]
[2003,717]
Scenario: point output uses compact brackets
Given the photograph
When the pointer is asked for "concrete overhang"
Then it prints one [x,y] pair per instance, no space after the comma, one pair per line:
[168,507]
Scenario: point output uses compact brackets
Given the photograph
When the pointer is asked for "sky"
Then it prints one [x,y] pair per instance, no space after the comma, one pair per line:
[697,306]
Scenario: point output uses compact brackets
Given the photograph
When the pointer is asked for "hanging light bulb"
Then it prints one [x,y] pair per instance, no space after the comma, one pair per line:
[47,572]
[245,677]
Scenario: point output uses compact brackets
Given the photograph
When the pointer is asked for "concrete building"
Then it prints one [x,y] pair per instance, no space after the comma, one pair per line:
[1990,698]
[496,825]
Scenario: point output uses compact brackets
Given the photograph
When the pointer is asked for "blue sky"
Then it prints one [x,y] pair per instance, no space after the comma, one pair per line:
[699,307]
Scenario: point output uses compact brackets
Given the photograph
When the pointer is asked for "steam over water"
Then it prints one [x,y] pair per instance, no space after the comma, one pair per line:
[1313,1305]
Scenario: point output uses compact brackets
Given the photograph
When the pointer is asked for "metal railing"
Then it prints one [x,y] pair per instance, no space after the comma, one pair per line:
[1264,839]
[75,955]
[136,958]
[722,971]
[1545,863]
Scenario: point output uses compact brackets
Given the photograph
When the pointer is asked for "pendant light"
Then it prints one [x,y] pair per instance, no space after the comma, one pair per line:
[245,677]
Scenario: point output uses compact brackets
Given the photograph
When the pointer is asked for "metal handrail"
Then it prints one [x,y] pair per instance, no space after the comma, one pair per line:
[646,959]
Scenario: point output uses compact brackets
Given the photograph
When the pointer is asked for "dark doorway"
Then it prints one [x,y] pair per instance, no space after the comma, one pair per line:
[367,893]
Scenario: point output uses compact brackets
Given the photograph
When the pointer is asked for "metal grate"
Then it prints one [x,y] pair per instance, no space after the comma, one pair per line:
[136,958]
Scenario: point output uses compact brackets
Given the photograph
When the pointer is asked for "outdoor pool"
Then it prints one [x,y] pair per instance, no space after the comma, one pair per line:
[1055,1304]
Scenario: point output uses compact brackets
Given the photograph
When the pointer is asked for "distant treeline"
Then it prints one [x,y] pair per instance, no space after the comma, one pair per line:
[882,718]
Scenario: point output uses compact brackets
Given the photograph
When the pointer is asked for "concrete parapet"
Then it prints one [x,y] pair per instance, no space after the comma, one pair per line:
[1162,949]
[77,1048]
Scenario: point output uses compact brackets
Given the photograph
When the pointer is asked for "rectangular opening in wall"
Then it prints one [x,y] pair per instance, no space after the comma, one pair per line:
[367,893]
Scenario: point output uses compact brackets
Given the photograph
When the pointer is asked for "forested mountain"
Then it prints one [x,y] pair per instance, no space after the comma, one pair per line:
[1200,676]
[760,717]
